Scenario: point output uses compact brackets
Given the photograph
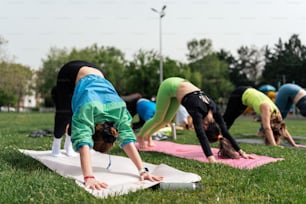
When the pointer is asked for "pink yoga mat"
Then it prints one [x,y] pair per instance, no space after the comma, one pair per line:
[195,152]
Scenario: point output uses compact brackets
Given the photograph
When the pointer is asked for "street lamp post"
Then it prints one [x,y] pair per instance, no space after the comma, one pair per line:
[161,14]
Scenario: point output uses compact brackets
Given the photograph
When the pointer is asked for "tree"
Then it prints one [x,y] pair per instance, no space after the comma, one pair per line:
[250,62]
[198,49]
[3,42]
[15,82]
[236,75]
[209,71]
[286,63]
[246,69]
[214,76]
[46,76]
[143,73]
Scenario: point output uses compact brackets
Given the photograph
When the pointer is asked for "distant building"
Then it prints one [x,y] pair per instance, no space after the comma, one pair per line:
[29,101]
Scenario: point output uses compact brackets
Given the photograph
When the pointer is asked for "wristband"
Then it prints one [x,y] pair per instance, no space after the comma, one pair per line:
[143,170]
[87,177]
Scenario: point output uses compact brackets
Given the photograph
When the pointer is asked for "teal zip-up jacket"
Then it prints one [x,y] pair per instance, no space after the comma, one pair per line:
[95,101]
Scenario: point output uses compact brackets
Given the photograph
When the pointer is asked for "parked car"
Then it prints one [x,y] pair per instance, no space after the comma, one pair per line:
[7,109]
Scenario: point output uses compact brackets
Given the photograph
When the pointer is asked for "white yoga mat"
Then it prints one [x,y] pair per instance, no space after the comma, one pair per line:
[122,175]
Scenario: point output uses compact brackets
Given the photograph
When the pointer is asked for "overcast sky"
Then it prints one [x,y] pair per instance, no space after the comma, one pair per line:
[32,27]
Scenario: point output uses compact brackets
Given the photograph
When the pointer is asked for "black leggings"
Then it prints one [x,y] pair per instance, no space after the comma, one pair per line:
[234,106]
[131,102]
[62,95]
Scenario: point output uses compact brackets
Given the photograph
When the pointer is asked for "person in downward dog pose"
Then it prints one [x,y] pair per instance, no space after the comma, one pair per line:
[207,120]
[288,95]
[98,118]
[272,122]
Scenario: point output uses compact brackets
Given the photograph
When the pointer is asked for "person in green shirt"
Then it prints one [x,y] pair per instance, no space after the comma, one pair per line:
[98,118]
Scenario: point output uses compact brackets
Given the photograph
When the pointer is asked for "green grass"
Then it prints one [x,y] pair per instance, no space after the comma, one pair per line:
[25,180]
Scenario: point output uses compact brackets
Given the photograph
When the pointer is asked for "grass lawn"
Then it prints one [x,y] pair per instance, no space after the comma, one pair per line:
[25,180]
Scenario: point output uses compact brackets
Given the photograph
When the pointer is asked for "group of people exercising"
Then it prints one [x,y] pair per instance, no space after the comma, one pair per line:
[92,115]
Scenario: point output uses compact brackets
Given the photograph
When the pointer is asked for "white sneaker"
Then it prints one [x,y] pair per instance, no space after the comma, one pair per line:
[56,147]
[68,147]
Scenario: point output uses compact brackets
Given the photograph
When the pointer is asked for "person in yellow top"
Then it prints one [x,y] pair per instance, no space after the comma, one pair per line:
[271,120]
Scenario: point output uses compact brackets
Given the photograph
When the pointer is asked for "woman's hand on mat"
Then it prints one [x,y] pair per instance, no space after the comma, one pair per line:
[150,177]
[300,146]
[247,156]
[92,183]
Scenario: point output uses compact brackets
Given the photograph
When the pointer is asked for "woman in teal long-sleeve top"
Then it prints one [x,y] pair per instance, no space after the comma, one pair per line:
[98,118]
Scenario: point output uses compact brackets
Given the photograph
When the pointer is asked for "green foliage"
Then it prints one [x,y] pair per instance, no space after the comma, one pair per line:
[3,42]
[25,180]
[173,68]
[7,98]
[15,82]
[46,76]
[208,69]
[286,63]
[246,68]
[143,73]
[197,49]
[250,62]
[214,76]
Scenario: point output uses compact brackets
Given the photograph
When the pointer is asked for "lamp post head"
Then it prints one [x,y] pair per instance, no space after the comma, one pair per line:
[153,9]
[161,12]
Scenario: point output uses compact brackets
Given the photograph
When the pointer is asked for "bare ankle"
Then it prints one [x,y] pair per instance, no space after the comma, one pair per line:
[141,142]
[150,141]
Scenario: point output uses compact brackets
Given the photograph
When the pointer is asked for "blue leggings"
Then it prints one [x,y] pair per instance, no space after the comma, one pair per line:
[166,106]
[301,105]
[285,97]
